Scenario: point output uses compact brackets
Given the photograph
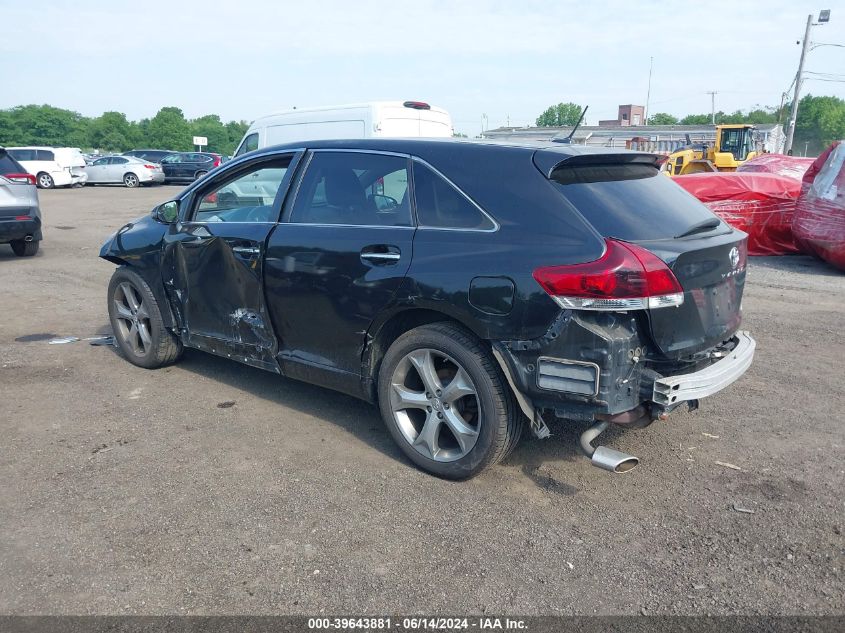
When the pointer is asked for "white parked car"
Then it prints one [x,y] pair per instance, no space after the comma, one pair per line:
[126,170]
[52,166]
[392,119]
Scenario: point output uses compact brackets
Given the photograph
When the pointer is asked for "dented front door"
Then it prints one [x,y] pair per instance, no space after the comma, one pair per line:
[216,257]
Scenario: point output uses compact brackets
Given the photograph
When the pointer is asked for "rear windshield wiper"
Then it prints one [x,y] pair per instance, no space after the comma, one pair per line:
[704,225]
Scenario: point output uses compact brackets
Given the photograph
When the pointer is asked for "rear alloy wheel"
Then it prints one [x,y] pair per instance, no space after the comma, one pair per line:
[446,403]
[45,181]
[137,324]
[199,174]
[131,180]
[22,248]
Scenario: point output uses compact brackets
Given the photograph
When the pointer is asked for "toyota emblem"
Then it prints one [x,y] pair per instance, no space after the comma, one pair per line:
[734,257]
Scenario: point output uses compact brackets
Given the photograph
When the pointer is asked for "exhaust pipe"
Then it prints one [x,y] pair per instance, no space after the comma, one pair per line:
[603,457]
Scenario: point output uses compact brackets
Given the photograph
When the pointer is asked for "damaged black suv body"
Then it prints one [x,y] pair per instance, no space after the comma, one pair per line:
[471,289]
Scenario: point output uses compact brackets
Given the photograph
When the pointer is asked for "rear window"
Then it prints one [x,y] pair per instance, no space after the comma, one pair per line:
[630,201]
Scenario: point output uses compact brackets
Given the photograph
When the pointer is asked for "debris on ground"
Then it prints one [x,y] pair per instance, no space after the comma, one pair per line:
[712,437]
[228,404]
[728,465]
[62,340]
[743,510]
[102,340]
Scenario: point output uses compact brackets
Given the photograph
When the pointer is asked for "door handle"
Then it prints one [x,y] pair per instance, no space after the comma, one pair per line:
[249,251]
[381,254]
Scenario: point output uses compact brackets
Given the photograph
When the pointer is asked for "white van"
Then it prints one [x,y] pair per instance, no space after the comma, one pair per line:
[362,120]
[52,166]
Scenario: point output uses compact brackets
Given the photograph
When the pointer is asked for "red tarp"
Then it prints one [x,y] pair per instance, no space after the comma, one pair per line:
[760,204]
[778,164]
[819,220]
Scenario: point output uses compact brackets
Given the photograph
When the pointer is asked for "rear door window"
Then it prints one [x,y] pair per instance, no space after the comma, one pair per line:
[351,188]
[440,205]
[631,202]
[45,155]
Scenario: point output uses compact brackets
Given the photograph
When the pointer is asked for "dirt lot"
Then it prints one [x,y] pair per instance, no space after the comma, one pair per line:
[131,491]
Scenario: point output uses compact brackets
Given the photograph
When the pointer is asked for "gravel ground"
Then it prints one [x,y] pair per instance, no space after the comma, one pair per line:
[131,491]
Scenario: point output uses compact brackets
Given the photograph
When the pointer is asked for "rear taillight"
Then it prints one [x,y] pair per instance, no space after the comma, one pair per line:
[27,178]
[216,162]
[626,277]
[150,166]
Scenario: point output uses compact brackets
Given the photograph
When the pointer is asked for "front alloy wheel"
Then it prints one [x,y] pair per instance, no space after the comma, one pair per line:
[137,323]
[132,319]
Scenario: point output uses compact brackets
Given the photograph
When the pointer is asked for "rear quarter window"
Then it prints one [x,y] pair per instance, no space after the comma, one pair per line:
[45,155]
[629,201]
[440,205]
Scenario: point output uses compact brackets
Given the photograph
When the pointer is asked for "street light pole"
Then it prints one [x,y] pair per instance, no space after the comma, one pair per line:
[793,116]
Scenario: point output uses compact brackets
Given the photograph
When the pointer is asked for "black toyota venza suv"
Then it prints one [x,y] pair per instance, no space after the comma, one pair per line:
[471,289]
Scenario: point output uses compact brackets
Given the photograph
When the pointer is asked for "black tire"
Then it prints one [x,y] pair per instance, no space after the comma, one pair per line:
[164,347]
[24,249]
[501,421]
[131,180]
[44,180]
[199,174]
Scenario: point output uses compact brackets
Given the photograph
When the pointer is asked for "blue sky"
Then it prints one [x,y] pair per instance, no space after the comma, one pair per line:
[508,60]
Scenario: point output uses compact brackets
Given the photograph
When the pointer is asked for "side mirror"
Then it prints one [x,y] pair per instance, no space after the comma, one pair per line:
[167,213]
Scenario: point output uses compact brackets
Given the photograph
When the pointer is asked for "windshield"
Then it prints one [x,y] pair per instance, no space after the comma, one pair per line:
[632,202]
[737,141]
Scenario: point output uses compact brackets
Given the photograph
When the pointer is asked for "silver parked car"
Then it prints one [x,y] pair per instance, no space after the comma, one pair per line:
[20,215]
[126,170]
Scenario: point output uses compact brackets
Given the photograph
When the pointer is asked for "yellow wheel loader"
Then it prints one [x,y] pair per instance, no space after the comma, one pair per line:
[734,145]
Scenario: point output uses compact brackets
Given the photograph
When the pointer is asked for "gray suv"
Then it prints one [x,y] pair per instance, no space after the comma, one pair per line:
[20,215]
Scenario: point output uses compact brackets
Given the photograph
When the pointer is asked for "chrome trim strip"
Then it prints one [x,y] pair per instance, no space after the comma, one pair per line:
[676,389]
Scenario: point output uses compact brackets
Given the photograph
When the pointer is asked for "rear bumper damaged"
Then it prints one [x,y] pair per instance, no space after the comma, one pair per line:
[591,367]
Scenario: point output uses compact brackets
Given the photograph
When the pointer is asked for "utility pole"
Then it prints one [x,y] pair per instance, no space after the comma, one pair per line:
[648,93]
[790,132]
[712,94]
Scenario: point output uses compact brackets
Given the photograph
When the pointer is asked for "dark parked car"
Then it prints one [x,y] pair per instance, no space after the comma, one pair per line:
[189,166]
[20,215]
[154,155]
[469,288]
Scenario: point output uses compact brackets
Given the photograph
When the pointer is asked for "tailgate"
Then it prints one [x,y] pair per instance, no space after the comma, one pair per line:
[712,272]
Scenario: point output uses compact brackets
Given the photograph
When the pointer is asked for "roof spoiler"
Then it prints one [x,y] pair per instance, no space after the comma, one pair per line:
[547,161]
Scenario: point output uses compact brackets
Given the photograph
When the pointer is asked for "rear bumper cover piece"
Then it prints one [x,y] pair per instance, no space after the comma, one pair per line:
[673,390]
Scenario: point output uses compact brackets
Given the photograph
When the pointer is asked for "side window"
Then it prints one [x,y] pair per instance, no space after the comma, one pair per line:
[170,158]
[22,154]
[118,161]
[101,161]
[355,189]
[249,144]
[248,196]
[46,155]
[440,205]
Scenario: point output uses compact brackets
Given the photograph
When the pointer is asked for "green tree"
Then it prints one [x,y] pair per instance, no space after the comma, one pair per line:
[698,119]
[168,129]
[236,131]
[213,129]
[44,125]
[662,118]
[821,120]
[562,114]
[112,132]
